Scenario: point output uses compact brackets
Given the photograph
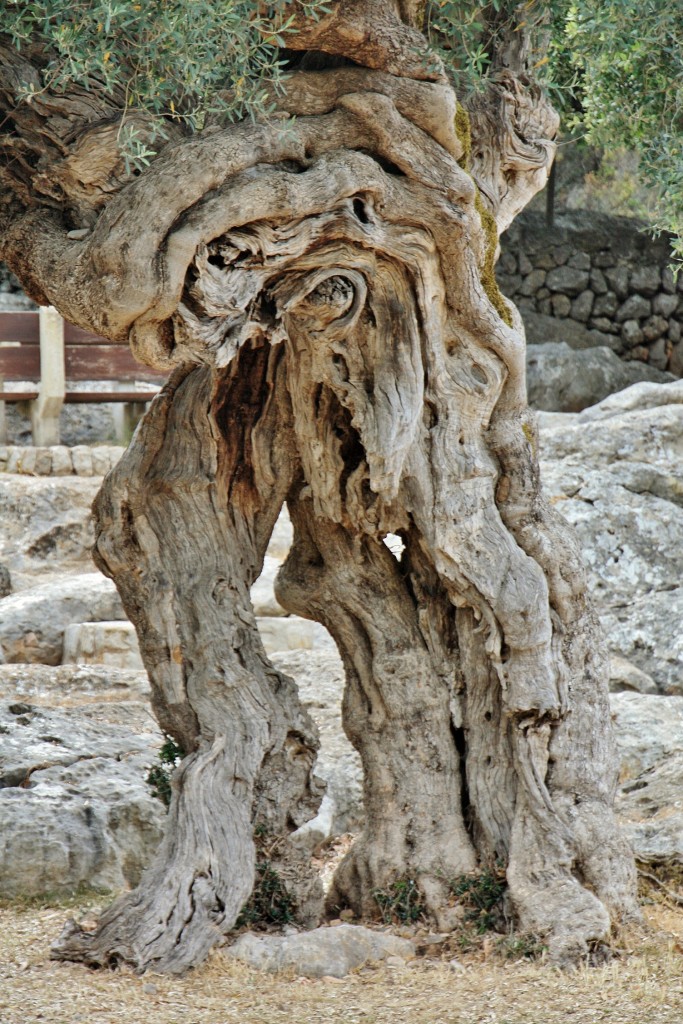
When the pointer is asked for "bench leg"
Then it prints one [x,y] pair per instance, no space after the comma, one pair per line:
[127,415]
[45,421]
[46,408]
[3,420]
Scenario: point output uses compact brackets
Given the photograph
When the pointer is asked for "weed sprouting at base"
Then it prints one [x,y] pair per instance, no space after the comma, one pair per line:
[270,903]
[481,896]
[400,902]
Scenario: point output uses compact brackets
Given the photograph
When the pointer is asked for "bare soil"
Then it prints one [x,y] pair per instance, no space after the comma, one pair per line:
[642,984]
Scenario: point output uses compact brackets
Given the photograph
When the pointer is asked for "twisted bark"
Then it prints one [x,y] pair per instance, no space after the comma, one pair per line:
[325,294]
[182,526]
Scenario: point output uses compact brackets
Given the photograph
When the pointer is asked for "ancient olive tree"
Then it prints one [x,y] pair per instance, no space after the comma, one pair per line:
[317,278]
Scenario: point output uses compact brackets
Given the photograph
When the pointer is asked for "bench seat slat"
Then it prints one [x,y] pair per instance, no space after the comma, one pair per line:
[87,397]
[91,362]
[24,326]
[83,397]
[18,396]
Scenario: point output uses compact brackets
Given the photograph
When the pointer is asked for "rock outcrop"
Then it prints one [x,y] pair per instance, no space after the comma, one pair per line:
[323,952]
[74,805]
[562,379]
[33,621]
[649,733]
[614,471]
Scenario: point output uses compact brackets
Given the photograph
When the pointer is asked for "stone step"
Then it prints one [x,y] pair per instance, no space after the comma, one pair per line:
[102,643]
[116,644]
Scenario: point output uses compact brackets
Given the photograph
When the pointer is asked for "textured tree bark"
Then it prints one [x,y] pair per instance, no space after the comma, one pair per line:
[182,526]
[396,712]
[326,296]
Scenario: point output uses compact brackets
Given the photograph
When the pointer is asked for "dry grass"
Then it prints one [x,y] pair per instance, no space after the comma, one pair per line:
[643,986]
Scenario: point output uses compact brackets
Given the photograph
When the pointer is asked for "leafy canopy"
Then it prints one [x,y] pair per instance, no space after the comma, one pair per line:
[615,67]
[619,64]
[171,57]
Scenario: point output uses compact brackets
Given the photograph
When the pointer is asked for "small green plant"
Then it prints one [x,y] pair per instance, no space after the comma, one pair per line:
[269,903]
[481,895]
[159,777]
[400,902]
[522,947]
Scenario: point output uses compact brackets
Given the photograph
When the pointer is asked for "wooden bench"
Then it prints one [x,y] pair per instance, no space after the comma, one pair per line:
[41,347]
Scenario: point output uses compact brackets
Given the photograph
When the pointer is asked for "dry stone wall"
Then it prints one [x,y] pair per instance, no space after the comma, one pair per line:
[594,280]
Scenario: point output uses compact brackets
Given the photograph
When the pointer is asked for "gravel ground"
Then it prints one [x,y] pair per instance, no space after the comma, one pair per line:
[644,985]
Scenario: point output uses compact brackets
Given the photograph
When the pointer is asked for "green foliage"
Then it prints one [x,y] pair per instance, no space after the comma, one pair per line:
[400,902]
[159,777]
[269,903]
[468,35]
[481,895]
[617,67]
[170,57]
[522,947]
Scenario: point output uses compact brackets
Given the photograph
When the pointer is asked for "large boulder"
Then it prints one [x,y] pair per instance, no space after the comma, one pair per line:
[649,732]
[542,329]
[46,525]
[614,472]
[651,810]
[30,682]
[75,808]
[563,379]
[102,643]
[323,952]
[263,591]
[33,621]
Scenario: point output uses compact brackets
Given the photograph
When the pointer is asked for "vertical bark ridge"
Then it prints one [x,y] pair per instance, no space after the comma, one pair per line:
[395,712]
[184,561]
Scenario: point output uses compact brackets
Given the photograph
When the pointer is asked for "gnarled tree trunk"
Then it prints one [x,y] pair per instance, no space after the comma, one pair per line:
[326,295]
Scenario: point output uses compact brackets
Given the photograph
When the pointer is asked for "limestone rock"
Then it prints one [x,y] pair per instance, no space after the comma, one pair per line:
[33,621]
[649,729]
[564,380]
[323,952]
[650,808]
[648,632]
[614,472]
[46,525]
[568,280]
[624,675]
[45,683]
[541,328]
[292,634]
[262,593]
[582,306]
[646,280]
[102,643]
[636,307]
[93,823]
[74,805]
[632,334]
[281,538]
[5,581]
[33,736]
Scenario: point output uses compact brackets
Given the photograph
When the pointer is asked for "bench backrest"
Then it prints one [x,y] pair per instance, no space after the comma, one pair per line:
[86,356]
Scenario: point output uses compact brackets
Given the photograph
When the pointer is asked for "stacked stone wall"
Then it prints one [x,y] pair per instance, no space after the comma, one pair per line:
[592,280]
